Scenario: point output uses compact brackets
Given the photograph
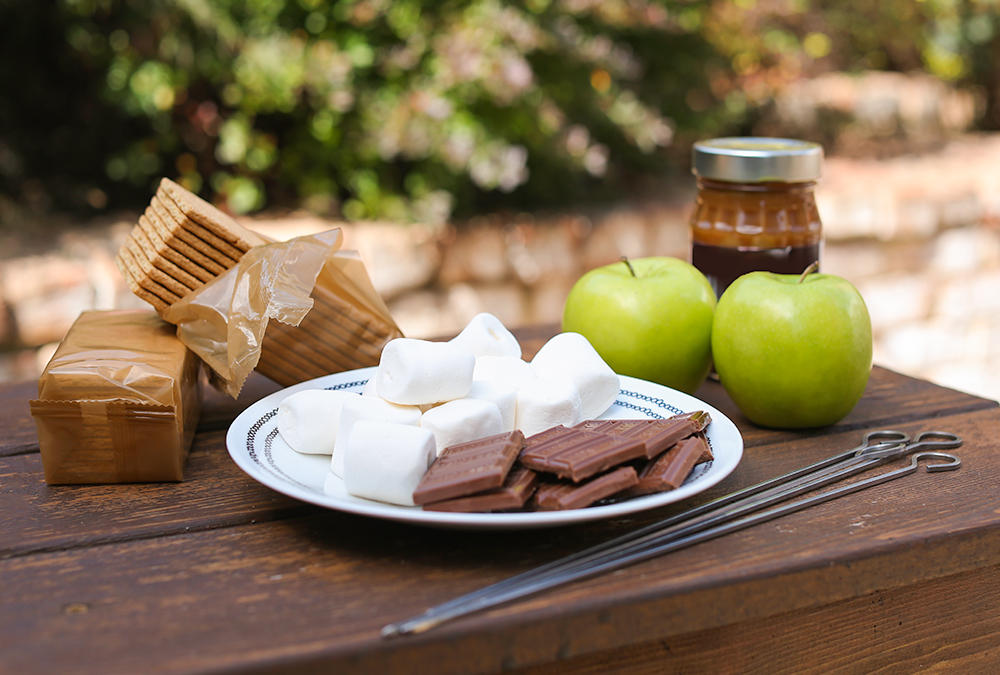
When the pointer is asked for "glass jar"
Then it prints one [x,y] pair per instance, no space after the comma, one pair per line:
[755,209]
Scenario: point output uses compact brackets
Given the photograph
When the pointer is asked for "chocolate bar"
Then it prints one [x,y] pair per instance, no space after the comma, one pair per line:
[576,453]
[657,435]
[468,468]
[516,489]
[668,471]
[557,496]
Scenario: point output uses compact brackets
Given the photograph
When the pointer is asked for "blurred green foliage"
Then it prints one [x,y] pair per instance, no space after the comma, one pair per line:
[419,109]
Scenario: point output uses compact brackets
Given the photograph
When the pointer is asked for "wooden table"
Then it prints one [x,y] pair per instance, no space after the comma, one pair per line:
[221,573]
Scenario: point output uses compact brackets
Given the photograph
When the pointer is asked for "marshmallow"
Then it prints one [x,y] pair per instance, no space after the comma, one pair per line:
[386,461]
[367,408]
[462,420]
[307,420]
[415,372]
[571,356]
[544,403]
[370,391]
[508,371]
[503,396]
[486,336]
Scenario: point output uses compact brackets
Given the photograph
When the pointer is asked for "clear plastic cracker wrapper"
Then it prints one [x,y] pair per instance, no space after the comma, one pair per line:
[118,402]
[292,310]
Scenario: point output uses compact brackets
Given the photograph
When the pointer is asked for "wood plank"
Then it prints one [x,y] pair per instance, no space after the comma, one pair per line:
[314,591]
[19,435]
[236,607]
[950,623]
[36,517]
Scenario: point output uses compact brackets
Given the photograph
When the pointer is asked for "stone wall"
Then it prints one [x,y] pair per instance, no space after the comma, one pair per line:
[919,236]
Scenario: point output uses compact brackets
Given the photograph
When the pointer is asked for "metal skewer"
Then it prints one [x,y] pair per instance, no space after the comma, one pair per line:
[704,522]
[887,440]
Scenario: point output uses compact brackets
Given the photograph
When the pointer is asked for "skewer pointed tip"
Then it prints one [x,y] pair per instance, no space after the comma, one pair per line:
[411,626]
[390,631]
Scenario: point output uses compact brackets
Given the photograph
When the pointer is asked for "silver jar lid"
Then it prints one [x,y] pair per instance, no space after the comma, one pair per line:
[757,160]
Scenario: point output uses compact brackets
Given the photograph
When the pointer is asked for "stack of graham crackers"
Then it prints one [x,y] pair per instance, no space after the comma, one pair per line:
[182,242]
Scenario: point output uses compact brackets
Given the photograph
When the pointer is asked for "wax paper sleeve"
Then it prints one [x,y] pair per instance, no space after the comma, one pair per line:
[293,310]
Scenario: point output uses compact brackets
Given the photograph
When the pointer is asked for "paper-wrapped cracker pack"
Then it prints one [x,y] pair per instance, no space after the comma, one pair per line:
[118,402]
[291,310]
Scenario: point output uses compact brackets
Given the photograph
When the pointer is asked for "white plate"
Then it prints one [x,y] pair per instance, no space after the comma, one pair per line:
[256,446]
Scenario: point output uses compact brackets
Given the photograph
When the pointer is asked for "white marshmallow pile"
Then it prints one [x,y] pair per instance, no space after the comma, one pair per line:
[570,357]
[307,420]
[370,408]
[461,420]
[414,372]
[486,336]
[503,396]
[426,396]
[508,371]
[386,461]
[543,404]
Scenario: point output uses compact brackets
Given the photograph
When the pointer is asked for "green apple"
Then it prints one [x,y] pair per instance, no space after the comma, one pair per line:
[792,351]
[650,318]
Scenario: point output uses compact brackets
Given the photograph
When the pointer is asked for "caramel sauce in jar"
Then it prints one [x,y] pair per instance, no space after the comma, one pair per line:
[755,209]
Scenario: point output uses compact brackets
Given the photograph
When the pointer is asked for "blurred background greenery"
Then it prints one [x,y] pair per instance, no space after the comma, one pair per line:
[426,110]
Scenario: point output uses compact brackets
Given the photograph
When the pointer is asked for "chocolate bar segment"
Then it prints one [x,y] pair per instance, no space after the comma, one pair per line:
[557,496]
[516,489]
[668,471]
[578,454]
[657,435]
[468,468]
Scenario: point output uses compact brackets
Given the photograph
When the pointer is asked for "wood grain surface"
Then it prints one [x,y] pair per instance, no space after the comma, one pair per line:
[19,435]
[221,573]
[948,625]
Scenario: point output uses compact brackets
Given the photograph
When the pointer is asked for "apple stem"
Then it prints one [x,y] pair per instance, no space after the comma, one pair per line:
[809,270]
[625,260]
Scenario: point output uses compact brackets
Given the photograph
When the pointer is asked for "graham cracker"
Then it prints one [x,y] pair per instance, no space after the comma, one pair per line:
[140,241]
[166,258]
[330,338]
[275,364]
[339,308]
[350,349]
[357,332]
[167,232]
[158,303]
[344,317]
[276,370]
[148,270]
[316,343]
[311,348]
[209,217]
[179,232]
[218,243]
[305,367]
[132,271]
[186,230]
